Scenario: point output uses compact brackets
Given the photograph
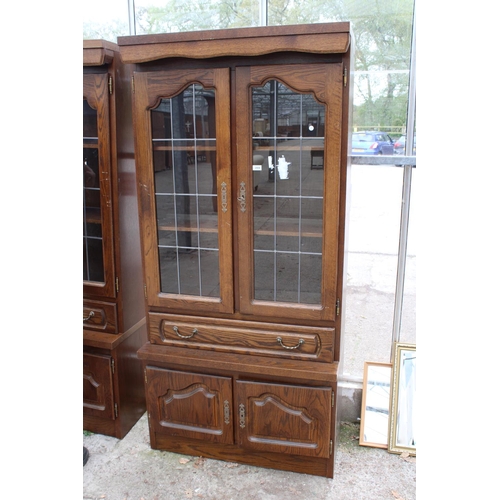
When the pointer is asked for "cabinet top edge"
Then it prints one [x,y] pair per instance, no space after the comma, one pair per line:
[220,34]
[331,37]
[98,52]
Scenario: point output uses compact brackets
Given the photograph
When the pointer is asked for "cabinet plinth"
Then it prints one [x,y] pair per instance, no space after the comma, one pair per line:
[241,150]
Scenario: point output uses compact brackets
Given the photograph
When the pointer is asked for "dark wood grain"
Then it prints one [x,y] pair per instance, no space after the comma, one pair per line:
[114,310]
[219,383]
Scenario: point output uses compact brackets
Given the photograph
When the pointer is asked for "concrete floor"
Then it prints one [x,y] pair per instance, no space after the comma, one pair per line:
[129,469]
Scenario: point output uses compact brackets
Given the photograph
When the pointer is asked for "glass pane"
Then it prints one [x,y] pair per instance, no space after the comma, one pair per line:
[169,16]
[383,32]
[288,177]
[105,20]
[184,157]
[93,259]
[374,223]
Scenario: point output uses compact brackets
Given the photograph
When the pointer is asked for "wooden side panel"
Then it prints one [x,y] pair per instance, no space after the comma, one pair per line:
[98,397]
[190,405]
[283,418]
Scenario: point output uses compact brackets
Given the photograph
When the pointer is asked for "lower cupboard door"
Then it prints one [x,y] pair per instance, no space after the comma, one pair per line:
[284,419]
[98,399]
[190,405]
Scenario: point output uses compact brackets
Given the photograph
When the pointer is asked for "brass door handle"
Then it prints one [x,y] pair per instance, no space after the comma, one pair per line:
[223,190]
[242,197]
[280,342]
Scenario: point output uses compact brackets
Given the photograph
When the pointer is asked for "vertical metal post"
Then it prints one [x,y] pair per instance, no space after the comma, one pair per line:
[263,17]
[131,17]
[405,203]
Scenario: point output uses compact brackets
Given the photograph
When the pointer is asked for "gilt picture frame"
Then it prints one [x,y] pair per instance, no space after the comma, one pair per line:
[402,437]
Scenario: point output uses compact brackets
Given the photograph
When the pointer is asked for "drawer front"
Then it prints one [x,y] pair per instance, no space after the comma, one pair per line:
[243,337]
[100,316]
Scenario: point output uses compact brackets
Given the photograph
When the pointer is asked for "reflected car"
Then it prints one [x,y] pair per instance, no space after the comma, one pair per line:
[399,145]
[372,143]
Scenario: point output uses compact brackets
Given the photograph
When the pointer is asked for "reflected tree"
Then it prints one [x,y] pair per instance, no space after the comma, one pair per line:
[382,33]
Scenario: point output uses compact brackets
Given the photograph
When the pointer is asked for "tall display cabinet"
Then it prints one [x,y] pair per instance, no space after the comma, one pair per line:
[241,149]
[114,323]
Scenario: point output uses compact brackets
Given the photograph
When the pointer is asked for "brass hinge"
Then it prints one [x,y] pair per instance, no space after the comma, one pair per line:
[117,284]
[116,410]
[145,376]
[110,84]
[112,366]
[145,291]
[345,76]
[338,307]
[331,446]
[333,399]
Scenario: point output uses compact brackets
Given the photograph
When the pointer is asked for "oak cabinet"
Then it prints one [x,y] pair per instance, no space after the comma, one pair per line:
[241,150]
[114,323]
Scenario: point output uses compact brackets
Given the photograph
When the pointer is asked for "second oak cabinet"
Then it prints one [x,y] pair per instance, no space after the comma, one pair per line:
[241,151]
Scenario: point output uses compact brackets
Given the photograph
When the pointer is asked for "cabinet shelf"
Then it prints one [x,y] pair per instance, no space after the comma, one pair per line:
[193,149]
[264,226]
[92,216]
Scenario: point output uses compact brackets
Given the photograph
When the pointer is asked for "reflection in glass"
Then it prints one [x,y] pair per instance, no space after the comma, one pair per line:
[375,405]
[93,259]
[288,149]
[184,157]
[374,222]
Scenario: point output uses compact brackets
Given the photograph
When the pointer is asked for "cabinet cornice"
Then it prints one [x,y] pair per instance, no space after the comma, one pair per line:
[324,38]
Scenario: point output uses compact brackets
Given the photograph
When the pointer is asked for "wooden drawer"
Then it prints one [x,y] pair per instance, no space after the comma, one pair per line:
[244,337]
[101,316]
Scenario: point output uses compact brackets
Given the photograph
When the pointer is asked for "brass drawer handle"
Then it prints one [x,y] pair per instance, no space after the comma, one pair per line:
[280,342]
[176,330]
[91,315]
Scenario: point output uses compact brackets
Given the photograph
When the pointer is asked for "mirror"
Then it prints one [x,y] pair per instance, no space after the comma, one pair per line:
[375,405]
[403,396]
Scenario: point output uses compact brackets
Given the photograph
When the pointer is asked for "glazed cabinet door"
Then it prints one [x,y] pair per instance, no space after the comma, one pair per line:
[190,405]
[98,253]
[98,399]
[288,131]
[284,419]
[182,124]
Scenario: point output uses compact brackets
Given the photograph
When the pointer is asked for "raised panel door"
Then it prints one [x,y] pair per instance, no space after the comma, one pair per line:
[98,399]
[190,405]
[284,418]
[288,131]
[183,158]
